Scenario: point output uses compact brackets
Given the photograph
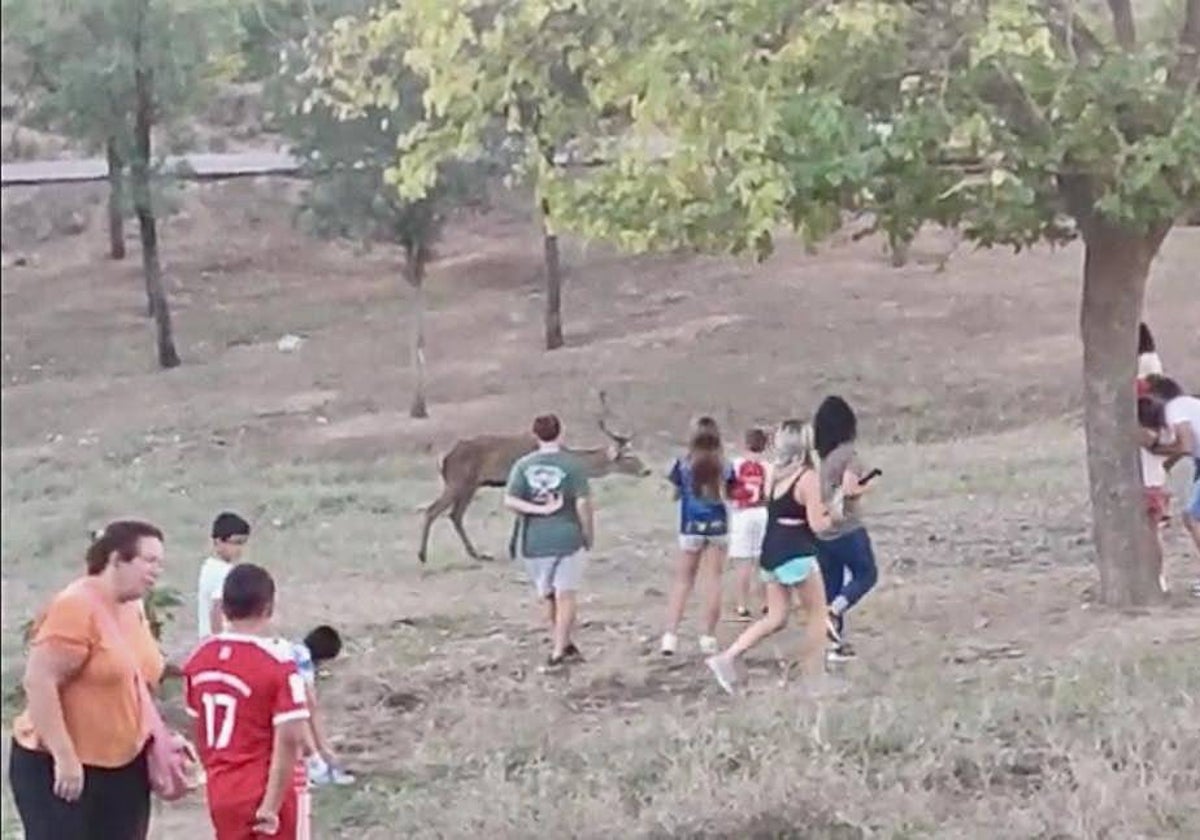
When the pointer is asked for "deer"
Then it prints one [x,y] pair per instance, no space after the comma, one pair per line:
[485,461]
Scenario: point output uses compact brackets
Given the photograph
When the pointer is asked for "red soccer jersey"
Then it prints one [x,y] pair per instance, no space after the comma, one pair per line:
[239,688]
[749,478]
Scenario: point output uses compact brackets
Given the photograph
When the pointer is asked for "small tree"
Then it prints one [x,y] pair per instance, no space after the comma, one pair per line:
[502,79]
[110,72]
[347,157]
[1017,121]
[57,55]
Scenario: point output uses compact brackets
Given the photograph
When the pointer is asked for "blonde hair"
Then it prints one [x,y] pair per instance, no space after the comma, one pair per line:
[794,445]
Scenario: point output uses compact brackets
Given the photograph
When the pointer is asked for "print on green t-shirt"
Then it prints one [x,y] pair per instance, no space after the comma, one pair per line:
[538,477]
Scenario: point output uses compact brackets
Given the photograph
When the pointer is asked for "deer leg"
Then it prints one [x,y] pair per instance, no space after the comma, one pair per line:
[435,509]
[456,517]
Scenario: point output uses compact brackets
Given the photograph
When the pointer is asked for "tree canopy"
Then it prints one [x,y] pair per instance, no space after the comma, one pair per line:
[1008,119]
[80,56]
[710,123]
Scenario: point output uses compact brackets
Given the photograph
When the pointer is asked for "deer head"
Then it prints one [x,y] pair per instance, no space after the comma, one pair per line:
[621,459]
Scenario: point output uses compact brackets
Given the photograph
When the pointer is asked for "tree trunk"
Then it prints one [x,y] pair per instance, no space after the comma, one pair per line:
[156,292]
[898,248]
[1116,265]
[415,272]
[116,201]
[1124,26]
[554,331]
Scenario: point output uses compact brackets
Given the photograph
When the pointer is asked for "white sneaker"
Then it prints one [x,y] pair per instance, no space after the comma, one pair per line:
[318,770]
[341,777]
[708,645]
[723,671]
[669,643]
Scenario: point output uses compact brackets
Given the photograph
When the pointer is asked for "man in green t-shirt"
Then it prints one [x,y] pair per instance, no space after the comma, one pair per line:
[548,490]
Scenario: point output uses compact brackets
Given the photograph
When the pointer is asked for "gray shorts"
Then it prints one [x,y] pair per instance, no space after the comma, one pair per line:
[551,575]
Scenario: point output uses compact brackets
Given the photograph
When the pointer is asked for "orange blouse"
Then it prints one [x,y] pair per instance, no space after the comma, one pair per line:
[101,704]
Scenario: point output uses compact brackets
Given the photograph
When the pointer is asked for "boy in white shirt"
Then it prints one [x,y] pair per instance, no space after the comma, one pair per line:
[230,533]
[321,645]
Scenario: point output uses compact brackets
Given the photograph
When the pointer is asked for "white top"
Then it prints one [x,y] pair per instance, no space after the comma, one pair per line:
[212,580]
[1154,467]
[1186,409]
[1149,363]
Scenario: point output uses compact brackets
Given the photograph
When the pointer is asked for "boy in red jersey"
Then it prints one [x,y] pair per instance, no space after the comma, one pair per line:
[748,515]
[243,688]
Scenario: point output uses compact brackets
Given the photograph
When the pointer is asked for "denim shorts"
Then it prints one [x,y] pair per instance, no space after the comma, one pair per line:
[695,543]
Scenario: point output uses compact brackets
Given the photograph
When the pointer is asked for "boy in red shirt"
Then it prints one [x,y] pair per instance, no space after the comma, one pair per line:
[243,688]
[748,515]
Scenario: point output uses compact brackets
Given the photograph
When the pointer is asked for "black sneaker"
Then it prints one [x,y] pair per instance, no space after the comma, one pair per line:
[833,628]
[571,653]
[554,663]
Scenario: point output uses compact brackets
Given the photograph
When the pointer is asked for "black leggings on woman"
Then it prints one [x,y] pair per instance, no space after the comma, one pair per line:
[115,804]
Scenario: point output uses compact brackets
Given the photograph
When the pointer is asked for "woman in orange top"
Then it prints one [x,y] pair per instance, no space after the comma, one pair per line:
[78,764]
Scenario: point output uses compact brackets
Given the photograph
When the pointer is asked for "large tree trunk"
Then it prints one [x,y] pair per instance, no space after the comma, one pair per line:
[554,331]
[156,292]
[1116,265]
[415,272]
[116,201]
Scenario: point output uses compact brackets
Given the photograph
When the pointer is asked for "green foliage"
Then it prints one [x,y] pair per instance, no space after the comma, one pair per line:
[80,56]
[501,80]
[264,29]
[988,118]
[160,604]
[717,122]
[348,154]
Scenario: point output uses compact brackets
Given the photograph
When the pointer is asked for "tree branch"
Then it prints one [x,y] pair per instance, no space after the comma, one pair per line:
[1184,73]
[1123,25]
[1071,30]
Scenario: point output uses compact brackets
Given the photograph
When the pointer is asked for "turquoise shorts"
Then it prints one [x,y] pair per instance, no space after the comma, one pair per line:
[791,573]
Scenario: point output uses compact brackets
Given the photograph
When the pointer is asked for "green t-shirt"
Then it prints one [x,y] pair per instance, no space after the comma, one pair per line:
[536,478]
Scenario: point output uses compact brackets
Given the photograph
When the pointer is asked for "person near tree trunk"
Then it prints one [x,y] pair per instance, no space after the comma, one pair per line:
[1182,414]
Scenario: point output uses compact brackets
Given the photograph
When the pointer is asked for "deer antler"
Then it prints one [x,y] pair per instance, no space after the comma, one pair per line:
[618,439]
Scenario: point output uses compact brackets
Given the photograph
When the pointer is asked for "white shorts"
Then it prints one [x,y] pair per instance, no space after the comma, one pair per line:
[746,531]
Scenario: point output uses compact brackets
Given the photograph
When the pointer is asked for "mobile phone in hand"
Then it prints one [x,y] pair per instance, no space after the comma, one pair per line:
[866,479]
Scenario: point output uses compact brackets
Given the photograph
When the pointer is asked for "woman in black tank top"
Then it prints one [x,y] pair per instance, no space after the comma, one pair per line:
[788,564]
[788,533]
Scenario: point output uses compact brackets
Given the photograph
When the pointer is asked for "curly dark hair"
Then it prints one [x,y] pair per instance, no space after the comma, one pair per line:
[1145,339]
[833,424]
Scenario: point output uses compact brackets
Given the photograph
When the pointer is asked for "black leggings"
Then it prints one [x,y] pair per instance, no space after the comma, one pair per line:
[115,804]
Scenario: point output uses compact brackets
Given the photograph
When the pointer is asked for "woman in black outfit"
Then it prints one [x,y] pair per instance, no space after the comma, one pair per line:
[788,564]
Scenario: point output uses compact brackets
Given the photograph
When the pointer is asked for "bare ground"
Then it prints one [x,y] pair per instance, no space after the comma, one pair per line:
[989,701]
